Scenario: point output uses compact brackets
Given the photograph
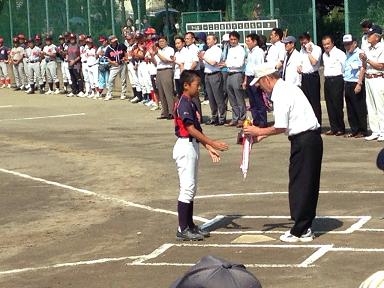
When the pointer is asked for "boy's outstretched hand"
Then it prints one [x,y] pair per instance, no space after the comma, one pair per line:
[213,153]
[219,145]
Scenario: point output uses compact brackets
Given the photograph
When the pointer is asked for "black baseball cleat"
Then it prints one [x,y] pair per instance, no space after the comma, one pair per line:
[202,232]
[188,235]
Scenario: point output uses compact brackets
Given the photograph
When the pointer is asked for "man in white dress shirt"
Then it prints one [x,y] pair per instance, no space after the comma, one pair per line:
[310,78]
[294,116]
[276,52]
[334,61]
[235,64]
[162,57]
[292,62]
[256,101]
[192,61]
[214,81]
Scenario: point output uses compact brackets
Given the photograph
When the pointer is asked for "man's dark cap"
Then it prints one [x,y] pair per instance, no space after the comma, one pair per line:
[375,29]
[213,272]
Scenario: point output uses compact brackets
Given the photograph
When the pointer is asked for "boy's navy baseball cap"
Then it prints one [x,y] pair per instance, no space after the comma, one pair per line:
[213,272]
[380,160]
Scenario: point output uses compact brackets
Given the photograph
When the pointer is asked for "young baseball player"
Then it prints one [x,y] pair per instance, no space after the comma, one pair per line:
[186,154]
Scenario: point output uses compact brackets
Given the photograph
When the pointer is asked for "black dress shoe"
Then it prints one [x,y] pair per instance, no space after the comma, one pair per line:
[329,133]
[231,124]
[211,122]
[339,133]
[162,117]
[170,117]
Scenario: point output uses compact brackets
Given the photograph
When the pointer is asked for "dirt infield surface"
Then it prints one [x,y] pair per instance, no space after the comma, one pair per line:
[88,195]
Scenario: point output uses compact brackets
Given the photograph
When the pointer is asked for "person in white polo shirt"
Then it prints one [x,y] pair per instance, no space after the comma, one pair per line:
[373,61]
[294,116]
[334,61]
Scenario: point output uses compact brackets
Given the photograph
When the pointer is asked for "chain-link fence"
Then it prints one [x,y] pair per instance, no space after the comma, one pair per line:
[55,17]
[97,17]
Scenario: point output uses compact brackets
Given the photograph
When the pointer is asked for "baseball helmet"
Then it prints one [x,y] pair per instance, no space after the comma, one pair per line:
[61,37]
[37,37]
[21,36]
[89,40]
[82,37]
[72,35]
[149,31]
[48,38]
[102,38]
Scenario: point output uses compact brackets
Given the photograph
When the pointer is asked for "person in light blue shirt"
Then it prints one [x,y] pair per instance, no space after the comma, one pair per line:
[354,89]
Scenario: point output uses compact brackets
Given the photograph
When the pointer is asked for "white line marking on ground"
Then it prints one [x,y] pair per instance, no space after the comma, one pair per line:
[370,230]
[247,265]
[350,249]
[98,195]
[71,264]
[281,193]
[316,256]
[43,117]
[363,220]
[6,106]
[283,246]
[154,254]
[354,227]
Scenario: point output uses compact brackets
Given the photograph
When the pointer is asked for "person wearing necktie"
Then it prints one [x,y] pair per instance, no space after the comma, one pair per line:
[292,62]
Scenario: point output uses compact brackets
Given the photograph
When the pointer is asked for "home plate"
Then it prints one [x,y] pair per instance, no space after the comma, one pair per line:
[249,239]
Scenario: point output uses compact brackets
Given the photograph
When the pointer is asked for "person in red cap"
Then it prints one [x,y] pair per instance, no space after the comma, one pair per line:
[74,65]
[16,58]
[5,81]
[49,53]
[131,43]
[91,58]
[62,50]
[84,66]
[32,54]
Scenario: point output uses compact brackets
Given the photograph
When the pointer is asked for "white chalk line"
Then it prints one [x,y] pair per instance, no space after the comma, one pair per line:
[43,117]
[321,250]
[224,195]
[316,256]
[70,264]
[354,227]
[98,195]
[6,106]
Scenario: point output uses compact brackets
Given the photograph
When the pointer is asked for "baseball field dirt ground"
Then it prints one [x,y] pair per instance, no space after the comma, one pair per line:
[88,193]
